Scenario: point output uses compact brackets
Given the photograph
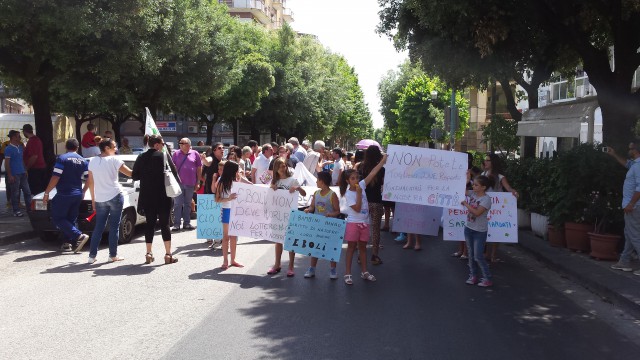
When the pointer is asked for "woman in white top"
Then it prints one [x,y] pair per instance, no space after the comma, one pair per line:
[106,197]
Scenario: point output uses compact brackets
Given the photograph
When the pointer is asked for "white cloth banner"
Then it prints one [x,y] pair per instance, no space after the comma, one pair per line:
[304,177]
[260,212]
[416,219]
[502,220]
[424,176]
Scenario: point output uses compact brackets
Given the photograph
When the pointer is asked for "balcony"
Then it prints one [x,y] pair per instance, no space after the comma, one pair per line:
[288,15]
[257,8]
[279,4]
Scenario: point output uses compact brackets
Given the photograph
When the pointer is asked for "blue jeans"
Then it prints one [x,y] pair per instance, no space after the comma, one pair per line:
[64,214]
[631,235]
[112,210]
[20,183]
[182,206]
[475,246]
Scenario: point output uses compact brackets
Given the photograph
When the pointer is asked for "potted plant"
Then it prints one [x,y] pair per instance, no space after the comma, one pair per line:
[607,215]
[539,190]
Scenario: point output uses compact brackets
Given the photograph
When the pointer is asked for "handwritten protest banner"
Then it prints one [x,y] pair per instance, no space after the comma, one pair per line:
[416,219]
[425,176]
[261,212]
[502,220]
[315,235]
[209,217]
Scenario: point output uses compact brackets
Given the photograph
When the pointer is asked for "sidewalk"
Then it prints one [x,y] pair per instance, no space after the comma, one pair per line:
[614,286]
[12,229]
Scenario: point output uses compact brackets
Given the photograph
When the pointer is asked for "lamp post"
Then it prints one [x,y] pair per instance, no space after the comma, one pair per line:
[454,114]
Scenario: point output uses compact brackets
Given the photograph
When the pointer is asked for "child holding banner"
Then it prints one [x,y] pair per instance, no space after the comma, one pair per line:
[282,179]
[475,231]
[223,195]
[323,202]
[357,233]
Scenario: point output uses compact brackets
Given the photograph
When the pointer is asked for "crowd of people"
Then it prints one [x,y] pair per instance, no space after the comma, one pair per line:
[359,176]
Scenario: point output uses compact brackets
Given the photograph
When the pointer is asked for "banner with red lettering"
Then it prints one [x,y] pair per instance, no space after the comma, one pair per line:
[502,220]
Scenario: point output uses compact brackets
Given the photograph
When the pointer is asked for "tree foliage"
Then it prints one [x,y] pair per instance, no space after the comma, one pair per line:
[501,134]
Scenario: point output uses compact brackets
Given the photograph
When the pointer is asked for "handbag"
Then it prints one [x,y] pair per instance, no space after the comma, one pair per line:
[171,185]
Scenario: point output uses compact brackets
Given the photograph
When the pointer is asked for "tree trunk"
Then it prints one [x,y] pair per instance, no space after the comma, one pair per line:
[42,112]
[511,100]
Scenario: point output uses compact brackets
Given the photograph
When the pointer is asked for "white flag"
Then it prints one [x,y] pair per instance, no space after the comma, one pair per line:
[150,128]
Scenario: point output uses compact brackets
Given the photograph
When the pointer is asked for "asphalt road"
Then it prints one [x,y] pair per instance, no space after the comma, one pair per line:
[56,306]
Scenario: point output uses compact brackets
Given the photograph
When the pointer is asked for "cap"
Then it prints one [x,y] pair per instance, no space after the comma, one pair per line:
[27,127]
[13,132]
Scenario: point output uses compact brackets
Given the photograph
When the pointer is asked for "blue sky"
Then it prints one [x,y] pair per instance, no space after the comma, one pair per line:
[348,27]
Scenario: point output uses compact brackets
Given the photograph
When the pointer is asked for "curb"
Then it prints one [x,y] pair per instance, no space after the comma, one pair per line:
[613,286]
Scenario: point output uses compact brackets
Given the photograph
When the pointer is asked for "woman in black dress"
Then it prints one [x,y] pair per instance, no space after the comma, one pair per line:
[149,169]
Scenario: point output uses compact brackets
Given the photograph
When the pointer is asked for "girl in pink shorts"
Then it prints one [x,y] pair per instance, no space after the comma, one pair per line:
[357,233]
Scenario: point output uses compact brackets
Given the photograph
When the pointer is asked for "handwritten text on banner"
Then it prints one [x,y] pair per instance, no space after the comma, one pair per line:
[425,176]
[315,235]
[260,212]
[209,217]
[503,220]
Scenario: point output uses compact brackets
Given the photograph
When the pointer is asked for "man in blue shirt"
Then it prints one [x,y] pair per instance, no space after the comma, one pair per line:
[16,173]
[68,172]
[630,197]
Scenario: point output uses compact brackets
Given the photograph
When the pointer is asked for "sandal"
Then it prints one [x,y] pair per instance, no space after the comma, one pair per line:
[273,271]
[148,259]
[237,264]
[367,276]
[290,273]
[463,257]
[169,259]
[375,260]
[115,258]
[224,267]
[348,280]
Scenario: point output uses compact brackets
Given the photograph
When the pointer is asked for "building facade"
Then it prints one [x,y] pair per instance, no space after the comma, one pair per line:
[271,14]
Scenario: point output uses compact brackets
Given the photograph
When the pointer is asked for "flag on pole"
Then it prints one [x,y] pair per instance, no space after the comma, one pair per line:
[150,128]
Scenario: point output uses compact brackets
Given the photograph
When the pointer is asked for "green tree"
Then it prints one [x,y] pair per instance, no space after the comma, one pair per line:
[498,39]
[39,43]
[501,134]
[418,113]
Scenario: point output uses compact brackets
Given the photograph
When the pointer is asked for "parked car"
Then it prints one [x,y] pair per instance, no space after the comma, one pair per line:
[40,216]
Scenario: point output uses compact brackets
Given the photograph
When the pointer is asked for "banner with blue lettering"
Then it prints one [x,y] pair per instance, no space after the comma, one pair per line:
[416,219]
[424,176]
[502,220]
[209,217]
[315,235]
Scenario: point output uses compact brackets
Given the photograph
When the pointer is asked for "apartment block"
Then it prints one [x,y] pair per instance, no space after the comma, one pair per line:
[271,14]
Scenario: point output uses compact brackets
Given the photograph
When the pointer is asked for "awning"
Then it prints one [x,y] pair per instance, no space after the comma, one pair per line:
[6,126]
[558,120]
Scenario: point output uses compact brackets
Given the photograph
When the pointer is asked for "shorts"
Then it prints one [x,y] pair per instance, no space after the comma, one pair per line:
[226,215]
[357,232]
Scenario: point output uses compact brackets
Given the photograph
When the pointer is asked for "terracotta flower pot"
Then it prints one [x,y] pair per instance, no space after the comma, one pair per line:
[604,246]
[556,237]
[577,236]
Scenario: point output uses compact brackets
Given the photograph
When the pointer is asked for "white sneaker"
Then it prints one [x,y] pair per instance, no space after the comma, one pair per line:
[216,244]
[82,240]
[91,260]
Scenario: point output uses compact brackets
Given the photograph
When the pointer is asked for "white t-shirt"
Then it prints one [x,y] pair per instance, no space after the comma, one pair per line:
[351,197]
[496,187]
[286,184]
[261,164]
[338,167]
[105,177]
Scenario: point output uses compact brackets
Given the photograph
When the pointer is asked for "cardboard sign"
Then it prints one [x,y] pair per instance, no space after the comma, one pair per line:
[502,220]
[424,176]
[260,212]
[209,217]
[315,235]
[416,219]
